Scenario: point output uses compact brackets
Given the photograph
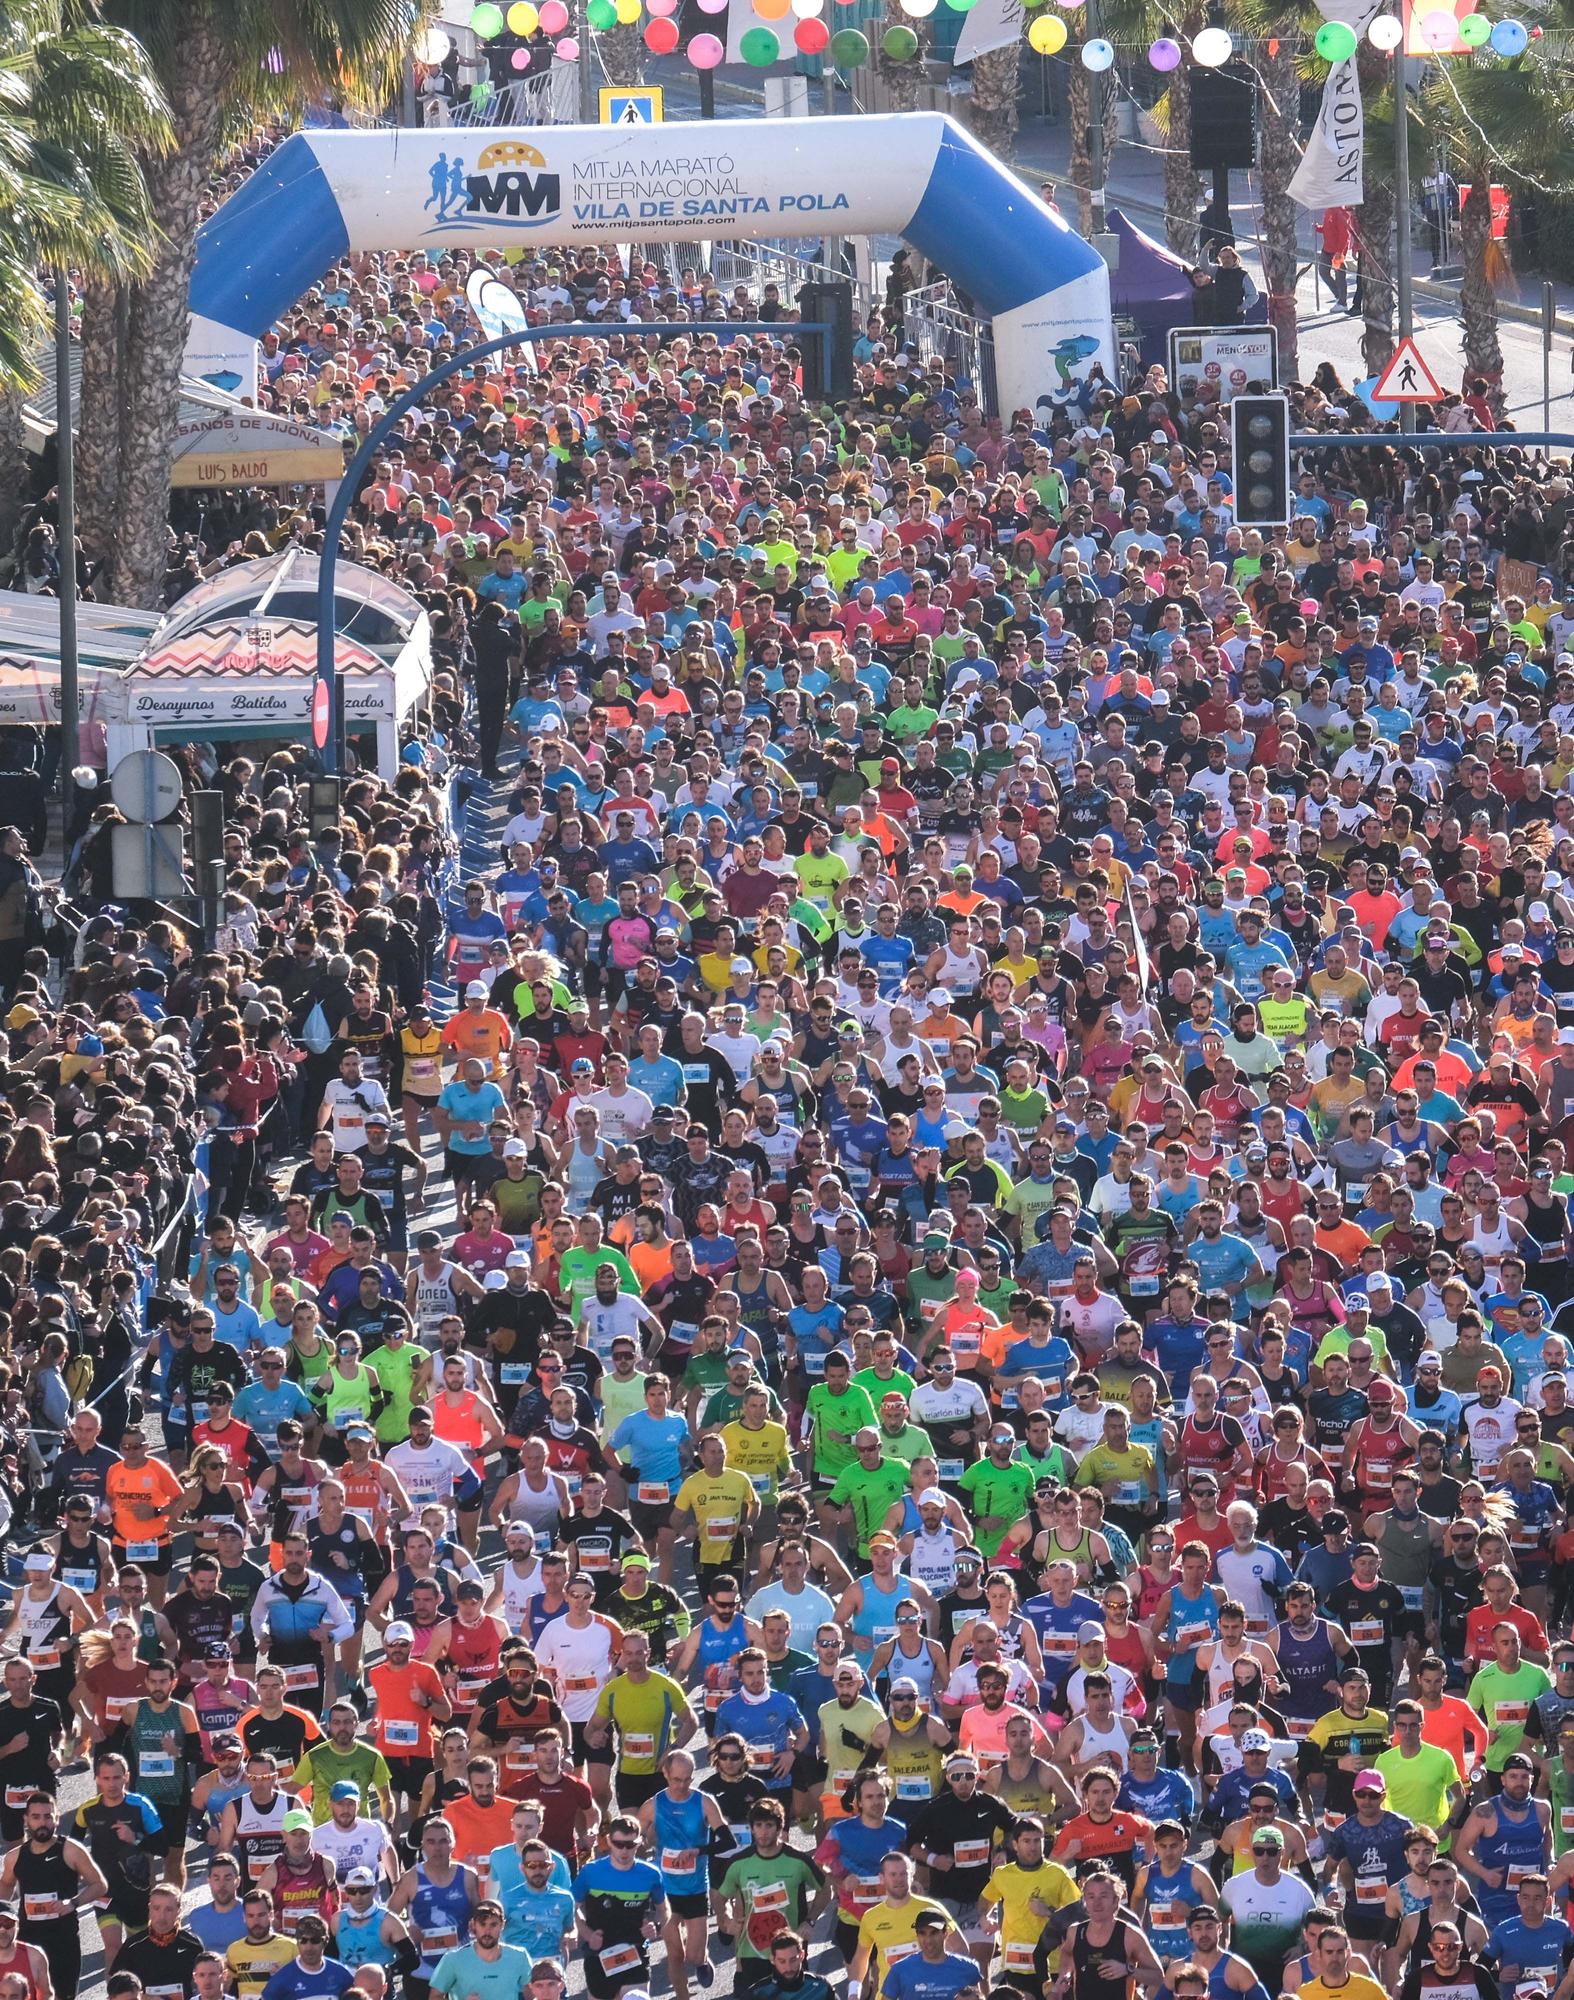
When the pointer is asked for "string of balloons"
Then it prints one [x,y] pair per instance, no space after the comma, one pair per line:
[789,27]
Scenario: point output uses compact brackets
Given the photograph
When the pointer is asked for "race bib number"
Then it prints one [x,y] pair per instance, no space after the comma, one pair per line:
[1414,1595]
[156,1764]
[722,1528]
[638,1746]
[653,1492]
[1507,1714]
[763,1896]
[1366,1631]
[401,1735]
[142,1552]
[950,1468]
[80,1579]
[514,1374]
[1019,1958]
[580,1683]
[971,1853]
[863,1891]
[618,1961]
[43,1658]
[761,1482]
[678,1860]
[1371,1889]
[299,1679]
[43,1909]
[445,1938]
[914,1788]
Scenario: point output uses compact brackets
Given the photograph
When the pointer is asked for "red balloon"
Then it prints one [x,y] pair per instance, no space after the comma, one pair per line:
[661,37]
[811,38]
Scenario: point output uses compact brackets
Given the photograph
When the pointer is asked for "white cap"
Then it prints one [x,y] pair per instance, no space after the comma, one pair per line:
[399,1633]
[939,997]
[494,1281]
[931,1497]
[475,990]
[1256,1739]
[1539,913]
[39,1563]
[515,1149]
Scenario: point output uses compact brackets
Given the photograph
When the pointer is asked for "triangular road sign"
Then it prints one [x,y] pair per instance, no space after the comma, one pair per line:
[1407,378]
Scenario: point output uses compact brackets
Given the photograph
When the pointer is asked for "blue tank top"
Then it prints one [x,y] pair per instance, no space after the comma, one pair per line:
[360,1940]
[815,1333]
[680,1830]
[1306,1666]
[1194,1620]
[1170,1898]
[717,1648]
[442,1915]
[1515,1846]
[875,1618]
[1219,1984]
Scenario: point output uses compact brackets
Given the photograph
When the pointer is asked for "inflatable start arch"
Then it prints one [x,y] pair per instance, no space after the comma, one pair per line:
[915,175]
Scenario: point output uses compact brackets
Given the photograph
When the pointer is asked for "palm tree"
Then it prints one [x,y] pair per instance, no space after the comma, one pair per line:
[224,64]
[991,108]
[1278,153]
[1498,121]
[80,100]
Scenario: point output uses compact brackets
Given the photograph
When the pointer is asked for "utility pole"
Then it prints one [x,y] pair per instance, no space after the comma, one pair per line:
[67,489]
[1095,28]
[833,244]
[588,102]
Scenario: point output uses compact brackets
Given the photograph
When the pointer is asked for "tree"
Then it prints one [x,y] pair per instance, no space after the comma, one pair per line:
[1278,154]
[224,65]
[1500,121]
[79,100]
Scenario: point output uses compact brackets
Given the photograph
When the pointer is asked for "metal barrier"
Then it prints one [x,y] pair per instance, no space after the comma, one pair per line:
[759,264]
[550,98]
[935,324]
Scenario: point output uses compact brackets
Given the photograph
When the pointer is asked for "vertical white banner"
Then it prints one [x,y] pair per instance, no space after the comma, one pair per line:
[1331,173]
[992,24]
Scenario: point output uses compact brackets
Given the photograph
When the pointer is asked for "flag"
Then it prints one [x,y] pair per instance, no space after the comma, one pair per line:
[1332,167]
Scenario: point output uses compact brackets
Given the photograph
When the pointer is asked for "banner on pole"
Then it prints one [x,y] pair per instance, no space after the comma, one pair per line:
[1331,173]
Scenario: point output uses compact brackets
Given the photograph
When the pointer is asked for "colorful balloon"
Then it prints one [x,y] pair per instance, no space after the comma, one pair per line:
[849,48]
[1510,38]
[760,48]
[1047,35]
[523,18]
[705,52]
[771,10]
[486,21]
[568,49]
[900,44]
[627,11]
[554,17]
[432,47]
[661,36]
[1386,33]
[600,15]
[714,6]
[811,38]
[1164,55]
[918,10]
[1475,31]
[1335,41]
[1098,55]
[1438,28]
[519,59]
[1213,47]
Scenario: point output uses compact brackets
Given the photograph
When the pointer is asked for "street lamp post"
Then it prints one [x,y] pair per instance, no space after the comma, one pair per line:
[327,728]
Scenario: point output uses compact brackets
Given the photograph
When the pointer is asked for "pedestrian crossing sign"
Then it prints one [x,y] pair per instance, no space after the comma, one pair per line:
[1407,378]
[632,106]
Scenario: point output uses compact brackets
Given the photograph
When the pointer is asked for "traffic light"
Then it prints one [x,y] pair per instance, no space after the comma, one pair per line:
[1260,460]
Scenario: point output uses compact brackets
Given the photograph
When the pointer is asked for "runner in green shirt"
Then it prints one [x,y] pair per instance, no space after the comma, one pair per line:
[340,1758]
[769,1888]
[398,1365]
[577,1273]
[835,1420]
[820,873]
[870,1487]
[999,1489]
[1511,1684]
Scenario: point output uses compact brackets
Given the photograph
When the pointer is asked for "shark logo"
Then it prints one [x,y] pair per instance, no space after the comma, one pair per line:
[507,189]
[1066,354]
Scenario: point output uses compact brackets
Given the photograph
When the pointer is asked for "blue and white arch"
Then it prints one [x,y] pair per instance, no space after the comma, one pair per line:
[915,175]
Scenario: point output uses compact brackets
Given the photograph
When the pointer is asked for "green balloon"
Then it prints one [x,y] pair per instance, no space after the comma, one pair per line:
[486,21]
[601,15]
[900,44]
[1335,41]
[1475,31]
[760,48]
[961,6]
[849,48]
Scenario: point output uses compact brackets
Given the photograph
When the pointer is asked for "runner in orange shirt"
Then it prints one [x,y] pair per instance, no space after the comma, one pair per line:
[145,1499]
[1122,1840]
[409,1697]
[462,1417]
[481,1818]
[479,1030]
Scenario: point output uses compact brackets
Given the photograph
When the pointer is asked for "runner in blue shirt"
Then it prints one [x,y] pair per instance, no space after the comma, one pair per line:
[311,1975]
[485,1967]
[932,1972]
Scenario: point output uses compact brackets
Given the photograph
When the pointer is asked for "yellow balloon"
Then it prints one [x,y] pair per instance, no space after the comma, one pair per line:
[1047,35]
[523,18]
[628,11]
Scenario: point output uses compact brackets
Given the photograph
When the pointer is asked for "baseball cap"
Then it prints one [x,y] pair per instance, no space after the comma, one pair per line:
[475,990]
[344,1789]
[931,1920]
[359,1878]
[1267,1836]
[297,1822]
[1369,1781]
[1256,1739]
[397,1634]
[1089,1631]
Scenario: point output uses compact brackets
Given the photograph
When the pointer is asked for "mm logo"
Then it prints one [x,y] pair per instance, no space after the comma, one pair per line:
[504,188]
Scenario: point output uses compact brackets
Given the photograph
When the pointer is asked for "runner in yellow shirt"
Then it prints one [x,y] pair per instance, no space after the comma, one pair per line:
[758,1448]
[1027,1891]
[887,1932]
[1331,1964]
[720,1501]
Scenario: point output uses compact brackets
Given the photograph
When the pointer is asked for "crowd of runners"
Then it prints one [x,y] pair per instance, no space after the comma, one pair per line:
[911,1346]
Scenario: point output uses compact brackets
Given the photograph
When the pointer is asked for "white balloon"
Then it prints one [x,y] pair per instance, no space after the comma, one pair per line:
[919,10]
[1097,55]
[808,10]
[1386,33]
[1212,47]
[456,13]
[432,47]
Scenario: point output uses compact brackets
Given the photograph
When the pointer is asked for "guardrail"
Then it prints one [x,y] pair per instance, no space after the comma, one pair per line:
[935,324]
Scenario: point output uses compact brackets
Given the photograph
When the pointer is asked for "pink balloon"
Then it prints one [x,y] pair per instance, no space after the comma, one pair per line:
[568,49]
[661,9]
[554,17]
[521,59]
[713,6]
[706,52]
